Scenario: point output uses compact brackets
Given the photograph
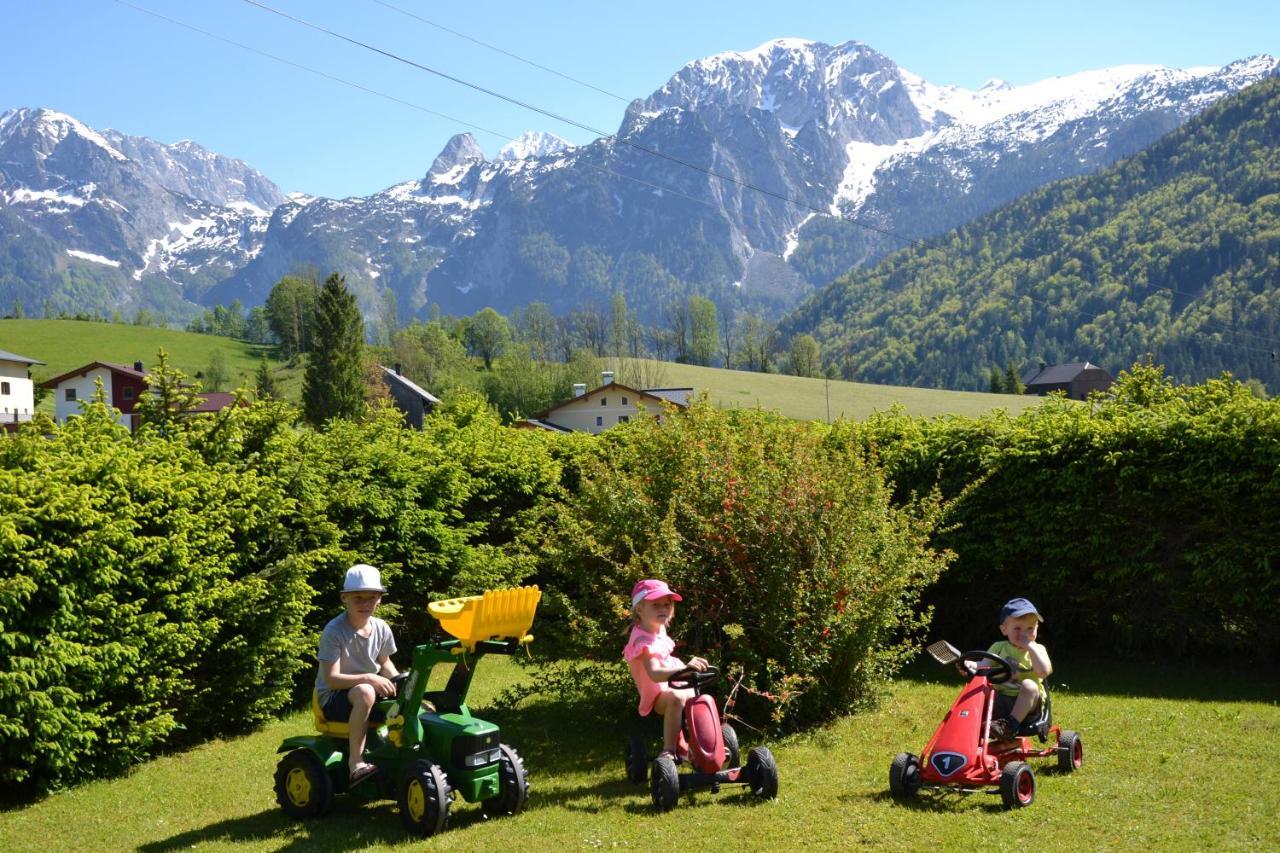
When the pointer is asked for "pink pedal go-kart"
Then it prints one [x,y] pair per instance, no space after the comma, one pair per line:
[707,745]
[961,757]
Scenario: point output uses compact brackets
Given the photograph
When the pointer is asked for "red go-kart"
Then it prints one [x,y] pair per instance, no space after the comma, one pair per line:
[705,744]
[961,758]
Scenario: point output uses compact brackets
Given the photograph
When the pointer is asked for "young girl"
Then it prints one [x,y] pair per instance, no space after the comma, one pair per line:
[648,652]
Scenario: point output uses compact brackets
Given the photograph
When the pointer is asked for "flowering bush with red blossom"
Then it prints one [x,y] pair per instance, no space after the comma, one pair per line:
[799,573]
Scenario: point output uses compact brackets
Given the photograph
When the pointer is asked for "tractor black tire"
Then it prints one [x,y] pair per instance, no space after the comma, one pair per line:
[666,784]
[424,798]
[1070,752]
[636,754]
[732,752]
[904,776]
[513,785]
[303,786]
[762,773]
[1017,785]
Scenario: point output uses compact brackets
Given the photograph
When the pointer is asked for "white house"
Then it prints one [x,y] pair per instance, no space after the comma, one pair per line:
[121,386]
[17,391]
[611,404]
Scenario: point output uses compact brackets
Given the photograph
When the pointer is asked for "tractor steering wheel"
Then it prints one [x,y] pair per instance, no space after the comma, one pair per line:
[687,678]
[398,680]
[998,670]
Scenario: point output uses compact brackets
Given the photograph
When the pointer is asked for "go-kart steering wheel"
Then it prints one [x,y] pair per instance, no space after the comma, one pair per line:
[686,678]
[398,680]
[998,670]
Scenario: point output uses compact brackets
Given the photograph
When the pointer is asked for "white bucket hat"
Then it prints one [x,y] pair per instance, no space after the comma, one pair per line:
[363,578]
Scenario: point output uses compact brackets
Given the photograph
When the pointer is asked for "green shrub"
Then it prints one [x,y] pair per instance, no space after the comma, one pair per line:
[144,591]
[797,570]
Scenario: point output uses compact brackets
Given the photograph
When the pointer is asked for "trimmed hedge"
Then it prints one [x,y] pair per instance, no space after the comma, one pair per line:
[1146,522]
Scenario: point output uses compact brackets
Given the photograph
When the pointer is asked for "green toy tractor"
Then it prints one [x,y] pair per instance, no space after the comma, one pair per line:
[429,745]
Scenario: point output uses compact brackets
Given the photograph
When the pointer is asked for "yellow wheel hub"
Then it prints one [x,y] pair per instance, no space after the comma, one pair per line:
[416,800]
[298,786]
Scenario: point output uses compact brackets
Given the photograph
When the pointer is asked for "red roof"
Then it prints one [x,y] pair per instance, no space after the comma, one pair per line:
[81,371]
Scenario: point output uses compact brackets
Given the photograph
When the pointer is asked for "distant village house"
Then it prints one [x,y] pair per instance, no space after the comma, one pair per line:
[415,402]
[611,404]
[1077,380]
[122,387]
[17,390]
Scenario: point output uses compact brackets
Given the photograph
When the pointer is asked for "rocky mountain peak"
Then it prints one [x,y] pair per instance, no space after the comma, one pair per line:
[533,144]
[461,150]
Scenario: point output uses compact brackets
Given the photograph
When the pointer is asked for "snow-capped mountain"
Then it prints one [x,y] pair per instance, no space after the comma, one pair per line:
[739,179]
[123,222]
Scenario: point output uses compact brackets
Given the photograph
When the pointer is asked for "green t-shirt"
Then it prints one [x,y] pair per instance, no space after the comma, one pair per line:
[1022,657]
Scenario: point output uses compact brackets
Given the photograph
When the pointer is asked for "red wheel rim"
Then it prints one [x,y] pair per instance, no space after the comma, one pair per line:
[1026,787]
[1077,754]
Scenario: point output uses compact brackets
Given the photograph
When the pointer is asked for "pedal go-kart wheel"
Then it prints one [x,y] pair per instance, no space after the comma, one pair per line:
[731,751]
[762,773]
[424,798]
[904,776]
[1070,752]
[666,784]
[303,786]
[1017,785]
[636,755]
[513,785]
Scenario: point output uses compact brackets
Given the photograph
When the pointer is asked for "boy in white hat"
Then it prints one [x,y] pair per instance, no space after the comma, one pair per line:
[355,663]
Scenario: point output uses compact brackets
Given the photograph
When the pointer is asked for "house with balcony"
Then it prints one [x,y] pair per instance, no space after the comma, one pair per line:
[608,405]
[17,390]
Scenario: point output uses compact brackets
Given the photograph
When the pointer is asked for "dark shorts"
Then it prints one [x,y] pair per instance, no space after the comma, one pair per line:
[1003,706]
[338,709]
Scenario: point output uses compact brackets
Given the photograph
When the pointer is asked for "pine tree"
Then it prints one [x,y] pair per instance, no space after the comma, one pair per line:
[264,382]
[997,385]
[1013,382]
[333,386]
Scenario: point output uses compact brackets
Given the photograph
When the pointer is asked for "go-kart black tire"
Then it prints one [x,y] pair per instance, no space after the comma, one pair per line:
[666,784]
[762,773]
[1070,752]
[424,798]
[303,786]
[1017,785]
[732,753]
[636,754]
[513,785]
[904,776]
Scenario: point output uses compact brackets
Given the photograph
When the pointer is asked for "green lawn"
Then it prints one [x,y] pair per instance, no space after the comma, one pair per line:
[816,399]
[1175,758]
[67,344]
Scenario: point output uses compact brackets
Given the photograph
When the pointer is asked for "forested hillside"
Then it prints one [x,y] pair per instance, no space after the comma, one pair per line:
[1174,252]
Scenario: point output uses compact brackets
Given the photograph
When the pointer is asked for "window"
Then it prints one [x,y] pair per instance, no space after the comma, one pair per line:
[599,420]
[70,395]
[604,401]
[624,401]
[4,388]
[622,419]
[127,393]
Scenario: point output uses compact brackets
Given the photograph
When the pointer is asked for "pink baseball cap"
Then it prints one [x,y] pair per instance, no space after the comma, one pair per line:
[652,589]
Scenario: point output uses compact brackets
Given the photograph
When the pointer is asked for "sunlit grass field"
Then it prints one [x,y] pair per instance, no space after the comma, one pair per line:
[1175,758]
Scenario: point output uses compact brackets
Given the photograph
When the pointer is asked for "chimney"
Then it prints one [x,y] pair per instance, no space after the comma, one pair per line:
[137,365]
[397,368]
[579,388]
[1042,365]
[607,376]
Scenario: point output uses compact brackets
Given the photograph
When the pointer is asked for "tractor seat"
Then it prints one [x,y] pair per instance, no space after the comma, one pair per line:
[323,724]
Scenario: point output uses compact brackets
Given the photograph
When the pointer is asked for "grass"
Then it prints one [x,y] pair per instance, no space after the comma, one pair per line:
[803,398]
[67,344]
[1175,758]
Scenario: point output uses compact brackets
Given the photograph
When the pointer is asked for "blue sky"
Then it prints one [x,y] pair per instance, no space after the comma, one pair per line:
[112,66]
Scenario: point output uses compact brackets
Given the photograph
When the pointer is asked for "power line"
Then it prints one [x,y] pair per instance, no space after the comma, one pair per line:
[575,123]
[496,49]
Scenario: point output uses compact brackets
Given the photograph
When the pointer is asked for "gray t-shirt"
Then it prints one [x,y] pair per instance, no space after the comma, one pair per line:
[356,655]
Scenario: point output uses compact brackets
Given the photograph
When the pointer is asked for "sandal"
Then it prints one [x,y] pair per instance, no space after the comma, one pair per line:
[361,772]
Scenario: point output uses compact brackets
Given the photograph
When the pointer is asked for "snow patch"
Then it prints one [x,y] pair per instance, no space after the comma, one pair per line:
[89,256]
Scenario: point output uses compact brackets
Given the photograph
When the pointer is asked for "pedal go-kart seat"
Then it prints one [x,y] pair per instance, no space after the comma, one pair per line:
[498,613]
[323,724]
[1040,724]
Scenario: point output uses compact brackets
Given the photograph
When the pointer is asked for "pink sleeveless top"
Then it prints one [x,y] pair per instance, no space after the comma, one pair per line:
[640,645]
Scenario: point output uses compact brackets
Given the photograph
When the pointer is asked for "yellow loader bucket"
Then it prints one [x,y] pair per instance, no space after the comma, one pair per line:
[498,613]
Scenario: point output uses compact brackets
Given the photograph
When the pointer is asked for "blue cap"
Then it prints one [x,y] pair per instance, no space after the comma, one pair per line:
[1018,607]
